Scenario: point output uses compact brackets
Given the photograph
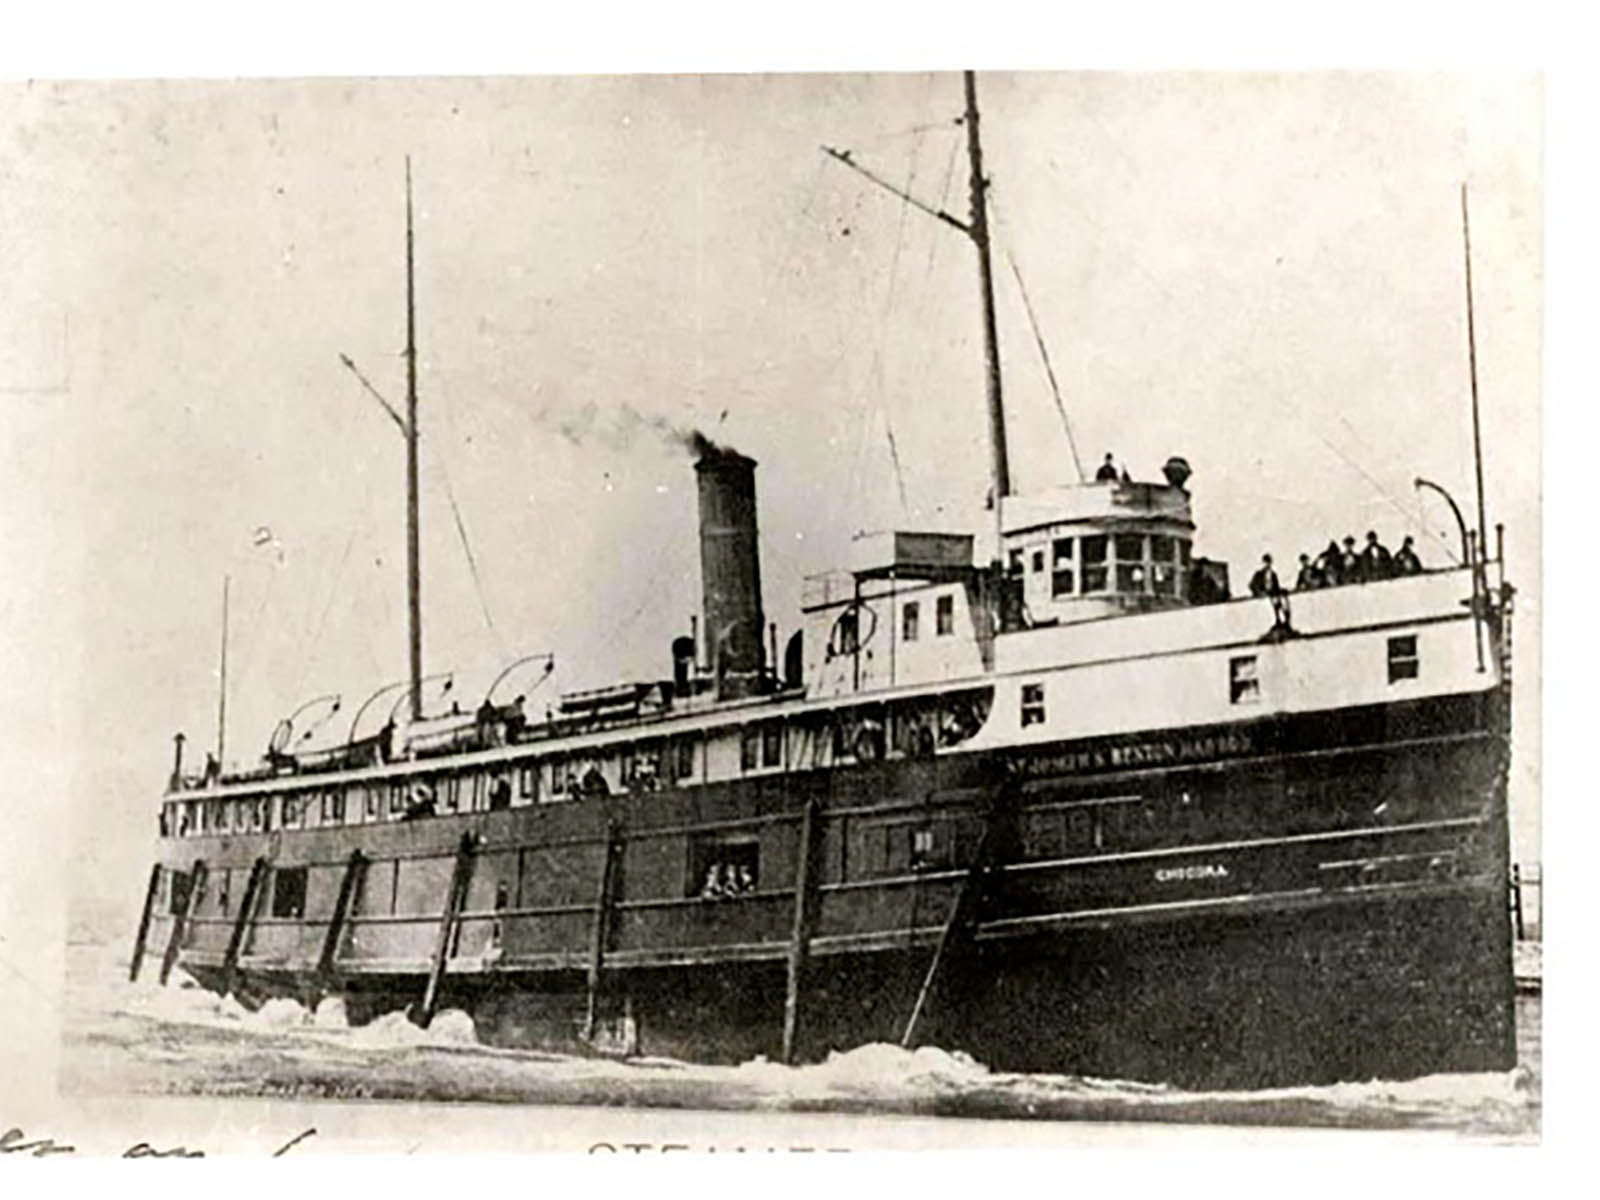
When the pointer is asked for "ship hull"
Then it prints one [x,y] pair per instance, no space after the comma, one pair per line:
[1297,901]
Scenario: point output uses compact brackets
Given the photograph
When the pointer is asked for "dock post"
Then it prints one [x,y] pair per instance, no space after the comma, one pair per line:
[148,911]
[804,912]
[1516,899]
[180,921]
[243,922]
[354,869]
[455,900]
[960,921]
[601,932]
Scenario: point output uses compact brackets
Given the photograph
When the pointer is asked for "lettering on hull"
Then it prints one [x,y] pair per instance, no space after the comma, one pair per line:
[1195,871]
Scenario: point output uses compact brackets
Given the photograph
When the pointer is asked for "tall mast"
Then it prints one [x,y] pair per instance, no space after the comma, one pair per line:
[978,228]
[413,568]
[1472,367]
[222,673]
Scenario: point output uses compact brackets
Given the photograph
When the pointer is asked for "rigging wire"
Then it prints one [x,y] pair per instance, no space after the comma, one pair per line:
[436,452]
[1049,371]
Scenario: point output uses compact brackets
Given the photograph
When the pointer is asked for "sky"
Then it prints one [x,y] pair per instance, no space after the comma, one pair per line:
[1260,272]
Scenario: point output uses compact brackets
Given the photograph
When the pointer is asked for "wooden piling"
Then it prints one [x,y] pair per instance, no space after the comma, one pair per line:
[180,920]
[243,921]
[150,894]
[601,929]
[804,913]
[455,900]
[355,867]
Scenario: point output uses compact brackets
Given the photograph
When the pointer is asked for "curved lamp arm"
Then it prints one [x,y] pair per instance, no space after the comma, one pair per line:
[1461,524]
[549,666]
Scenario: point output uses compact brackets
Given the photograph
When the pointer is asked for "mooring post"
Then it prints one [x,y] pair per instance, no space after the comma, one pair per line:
[148,911]
[804,911]
[243,921]
[960,921]
[455,900]
[1516,899]
[354,869]
[180,921]
[601,931]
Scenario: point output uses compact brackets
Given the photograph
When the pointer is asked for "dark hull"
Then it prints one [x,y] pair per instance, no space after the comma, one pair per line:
[1306,900]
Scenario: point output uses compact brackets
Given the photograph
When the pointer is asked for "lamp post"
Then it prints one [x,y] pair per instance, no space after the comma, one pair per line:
[1461,524]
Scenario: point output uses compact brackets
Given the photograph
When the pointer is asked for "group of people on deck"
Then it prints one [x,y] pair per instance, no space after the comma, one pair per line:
[1336,566]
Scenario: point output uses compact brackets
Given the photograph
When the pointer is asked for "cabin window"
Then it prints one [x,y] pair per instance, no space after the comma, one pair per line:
[908,622]
[397,799]
[922,852]
[374,801]
[1014,562]
[1163,579]
[448,790]
[177,891]
[561,779]
[333,806]
[527,781]
[1061,575]
[944,615]
[1032,704]
[724,865]
[1403,662]
[289,893]
[1094,563]
[1130,577]
[683,768]
[1038,561]
[772,744]
[500,793]
[1243,685]
[749,748]
[294,812]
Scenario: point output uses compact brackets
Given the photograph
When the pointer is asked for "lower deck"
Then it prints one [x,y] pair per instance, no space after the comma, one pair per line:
[1325,821]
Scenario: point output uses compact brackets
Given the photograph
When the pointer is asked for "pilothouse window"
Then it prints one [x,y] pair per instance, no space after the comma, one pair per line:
[1094,563]
[945,615]
[908,622]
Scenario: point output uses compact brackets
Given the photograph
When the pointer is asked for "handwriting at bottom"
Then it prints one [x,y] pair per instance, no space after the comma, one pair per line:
[15,1141]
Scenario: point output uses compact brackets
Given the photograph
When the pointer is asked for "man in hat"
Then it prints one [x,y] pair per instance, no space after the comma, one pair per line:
[1376,562]
[1265,581]
[1107,472]
[1406,561]
[1310,576]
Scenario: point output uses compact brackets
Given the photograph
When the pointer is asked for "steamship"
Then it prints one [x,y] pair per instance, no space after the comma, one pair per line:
[1073,808]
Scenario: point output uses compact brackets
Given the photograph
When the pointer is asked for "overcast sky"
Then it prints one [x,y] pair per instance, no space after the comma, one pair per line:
[1262,273]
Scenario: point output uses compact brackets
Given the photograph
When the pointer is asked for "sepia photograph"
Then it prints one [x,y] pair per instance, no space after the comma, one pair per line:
[990,597]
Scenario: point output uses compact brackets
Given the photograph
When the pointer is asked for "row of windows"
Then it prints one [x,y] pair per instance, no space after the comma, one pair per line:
[944,618]
[1140,564]
[912,728]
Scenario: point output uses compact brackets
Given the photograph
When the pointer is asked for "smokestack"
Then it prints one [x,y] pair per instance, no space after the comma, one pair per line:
[730,570]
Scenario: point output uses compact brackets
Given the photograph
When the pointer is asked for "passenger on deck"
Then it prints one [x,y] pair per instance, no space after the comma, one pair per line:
[1328,562]
[1350,563]
[1265,581]
[1107,472]
[1376,561]
[1406,561]
[1310,576]
[711,889]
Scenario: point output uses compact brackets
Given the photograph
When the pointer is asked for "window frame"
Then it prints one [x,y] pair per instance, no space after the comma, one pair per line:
[944,615]
[1031,707]
[1403,666]
[1244,679]
[910,621]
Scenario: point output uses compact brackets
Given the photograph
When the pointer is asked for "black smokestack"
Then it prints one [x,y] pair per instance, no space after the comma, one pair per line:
[730,566]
